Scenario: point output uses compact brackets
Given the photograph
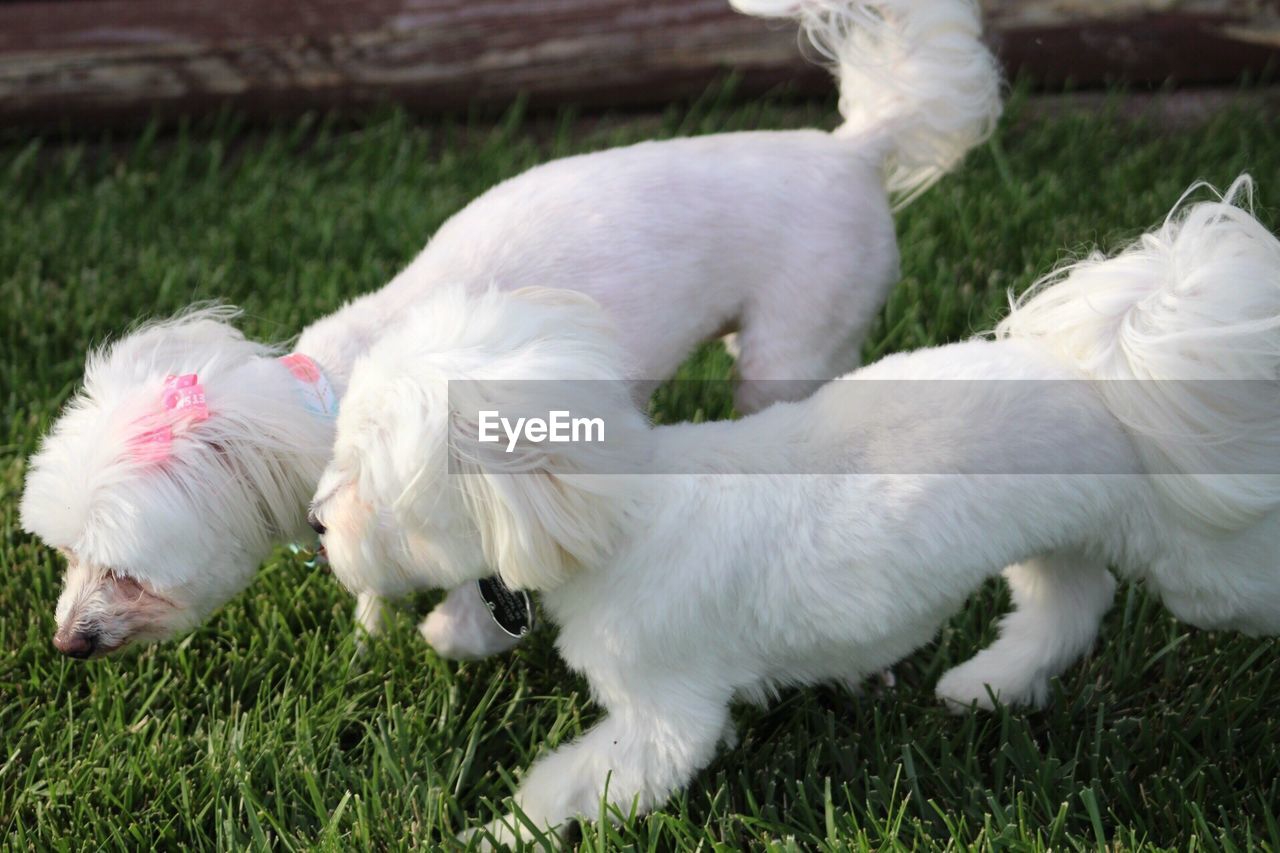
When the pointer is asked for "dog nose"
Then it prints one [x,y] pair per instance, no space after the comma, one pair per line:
[315,523]
[76,644]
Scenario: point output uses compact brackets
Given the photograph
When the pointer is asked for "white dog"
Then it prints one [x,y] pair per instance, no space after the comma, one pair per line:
[166,496]
[676,593]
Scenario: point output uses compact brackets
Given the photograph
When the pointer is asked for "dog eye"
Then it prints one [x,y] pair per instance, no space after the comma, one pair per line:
[316,524]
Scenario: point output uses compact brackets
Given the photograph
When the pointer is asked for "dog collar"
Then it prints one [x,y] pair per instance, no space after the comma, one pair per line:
[317,393]
[510,609]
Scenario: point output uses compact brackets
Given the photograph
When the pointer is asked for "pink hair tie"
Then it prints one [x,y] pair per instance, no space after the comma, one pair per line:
[185,394]
[182,405]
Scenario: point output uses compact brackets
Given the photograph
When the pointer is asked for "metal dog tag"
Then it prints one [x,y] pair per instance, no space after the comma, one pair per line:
[512,610]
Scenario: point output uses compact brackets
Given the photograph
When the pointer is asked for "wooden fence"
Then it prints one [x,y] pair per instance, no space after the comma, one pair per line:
[110,60]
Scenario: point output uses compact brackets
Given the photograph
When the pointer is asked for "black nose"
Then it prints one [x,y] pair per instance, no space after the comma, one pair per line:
[315,523]
[78,645]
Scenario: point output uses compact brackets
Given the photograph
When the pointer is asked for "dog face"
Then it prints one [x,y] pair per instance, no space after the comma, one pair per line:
[164,509]
[151,556]
[389,515]
[100,611]
[154,550]
[412,497]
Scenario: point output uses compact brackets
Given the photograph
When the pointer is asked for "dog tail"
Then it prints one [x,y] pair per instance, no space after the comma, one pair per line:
[1190,315]
[914,71]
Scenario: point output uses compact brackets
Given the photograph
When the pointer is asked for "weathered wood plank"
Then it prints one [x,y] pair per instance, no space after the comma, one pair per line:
[101,60]
[1139,41]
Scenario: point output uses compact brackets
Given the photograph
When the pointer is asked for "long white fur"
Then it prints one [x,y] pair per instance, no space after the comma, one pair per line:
[912,69]
[786,237]
[117,516]
[676,593]
[1155,312]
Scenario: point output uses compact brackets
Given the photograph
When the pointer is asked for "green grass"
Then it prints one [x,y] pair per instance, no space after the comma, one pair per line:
[263,729]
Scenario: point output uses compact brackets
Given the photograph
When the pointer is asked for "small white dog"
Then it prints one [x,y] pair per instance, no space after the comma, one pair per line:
[166,496]
[878,506]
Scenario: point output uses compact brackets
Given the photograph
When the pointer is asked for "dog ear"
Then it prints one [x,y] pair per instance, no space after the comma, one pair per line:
[545,510]
[536,528]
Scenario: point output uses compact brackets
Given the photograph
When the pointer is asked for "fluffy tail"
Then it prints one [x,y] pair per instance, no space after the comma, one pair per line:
[916,70]
[1193,310]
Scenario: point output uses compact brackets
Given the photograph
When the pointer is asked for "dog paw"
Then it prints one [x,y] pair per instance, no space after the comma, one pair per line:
[507,833]
[460,628]
[458,642]
[964,687]
[969,685]
[486,838]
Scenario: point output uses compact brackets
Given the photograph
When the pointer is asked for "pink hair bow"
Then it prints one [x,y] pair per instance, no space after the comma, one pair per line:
[182,406]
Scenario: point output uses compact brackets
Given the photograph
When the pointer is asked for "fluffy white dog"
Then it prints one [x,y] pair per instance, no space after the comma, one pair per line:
[876,508]
[191,451]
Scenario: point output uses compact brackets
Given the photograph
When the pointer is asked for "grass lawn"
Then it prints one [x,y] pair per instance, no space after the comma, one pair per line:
[263,728]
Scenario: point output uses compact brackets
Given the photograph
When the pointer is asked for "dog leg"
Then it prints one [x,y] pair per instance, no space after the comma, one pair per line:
[461,628]
[368,618]
[635,759]
[1059,601]
[807,330]
[775,364]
